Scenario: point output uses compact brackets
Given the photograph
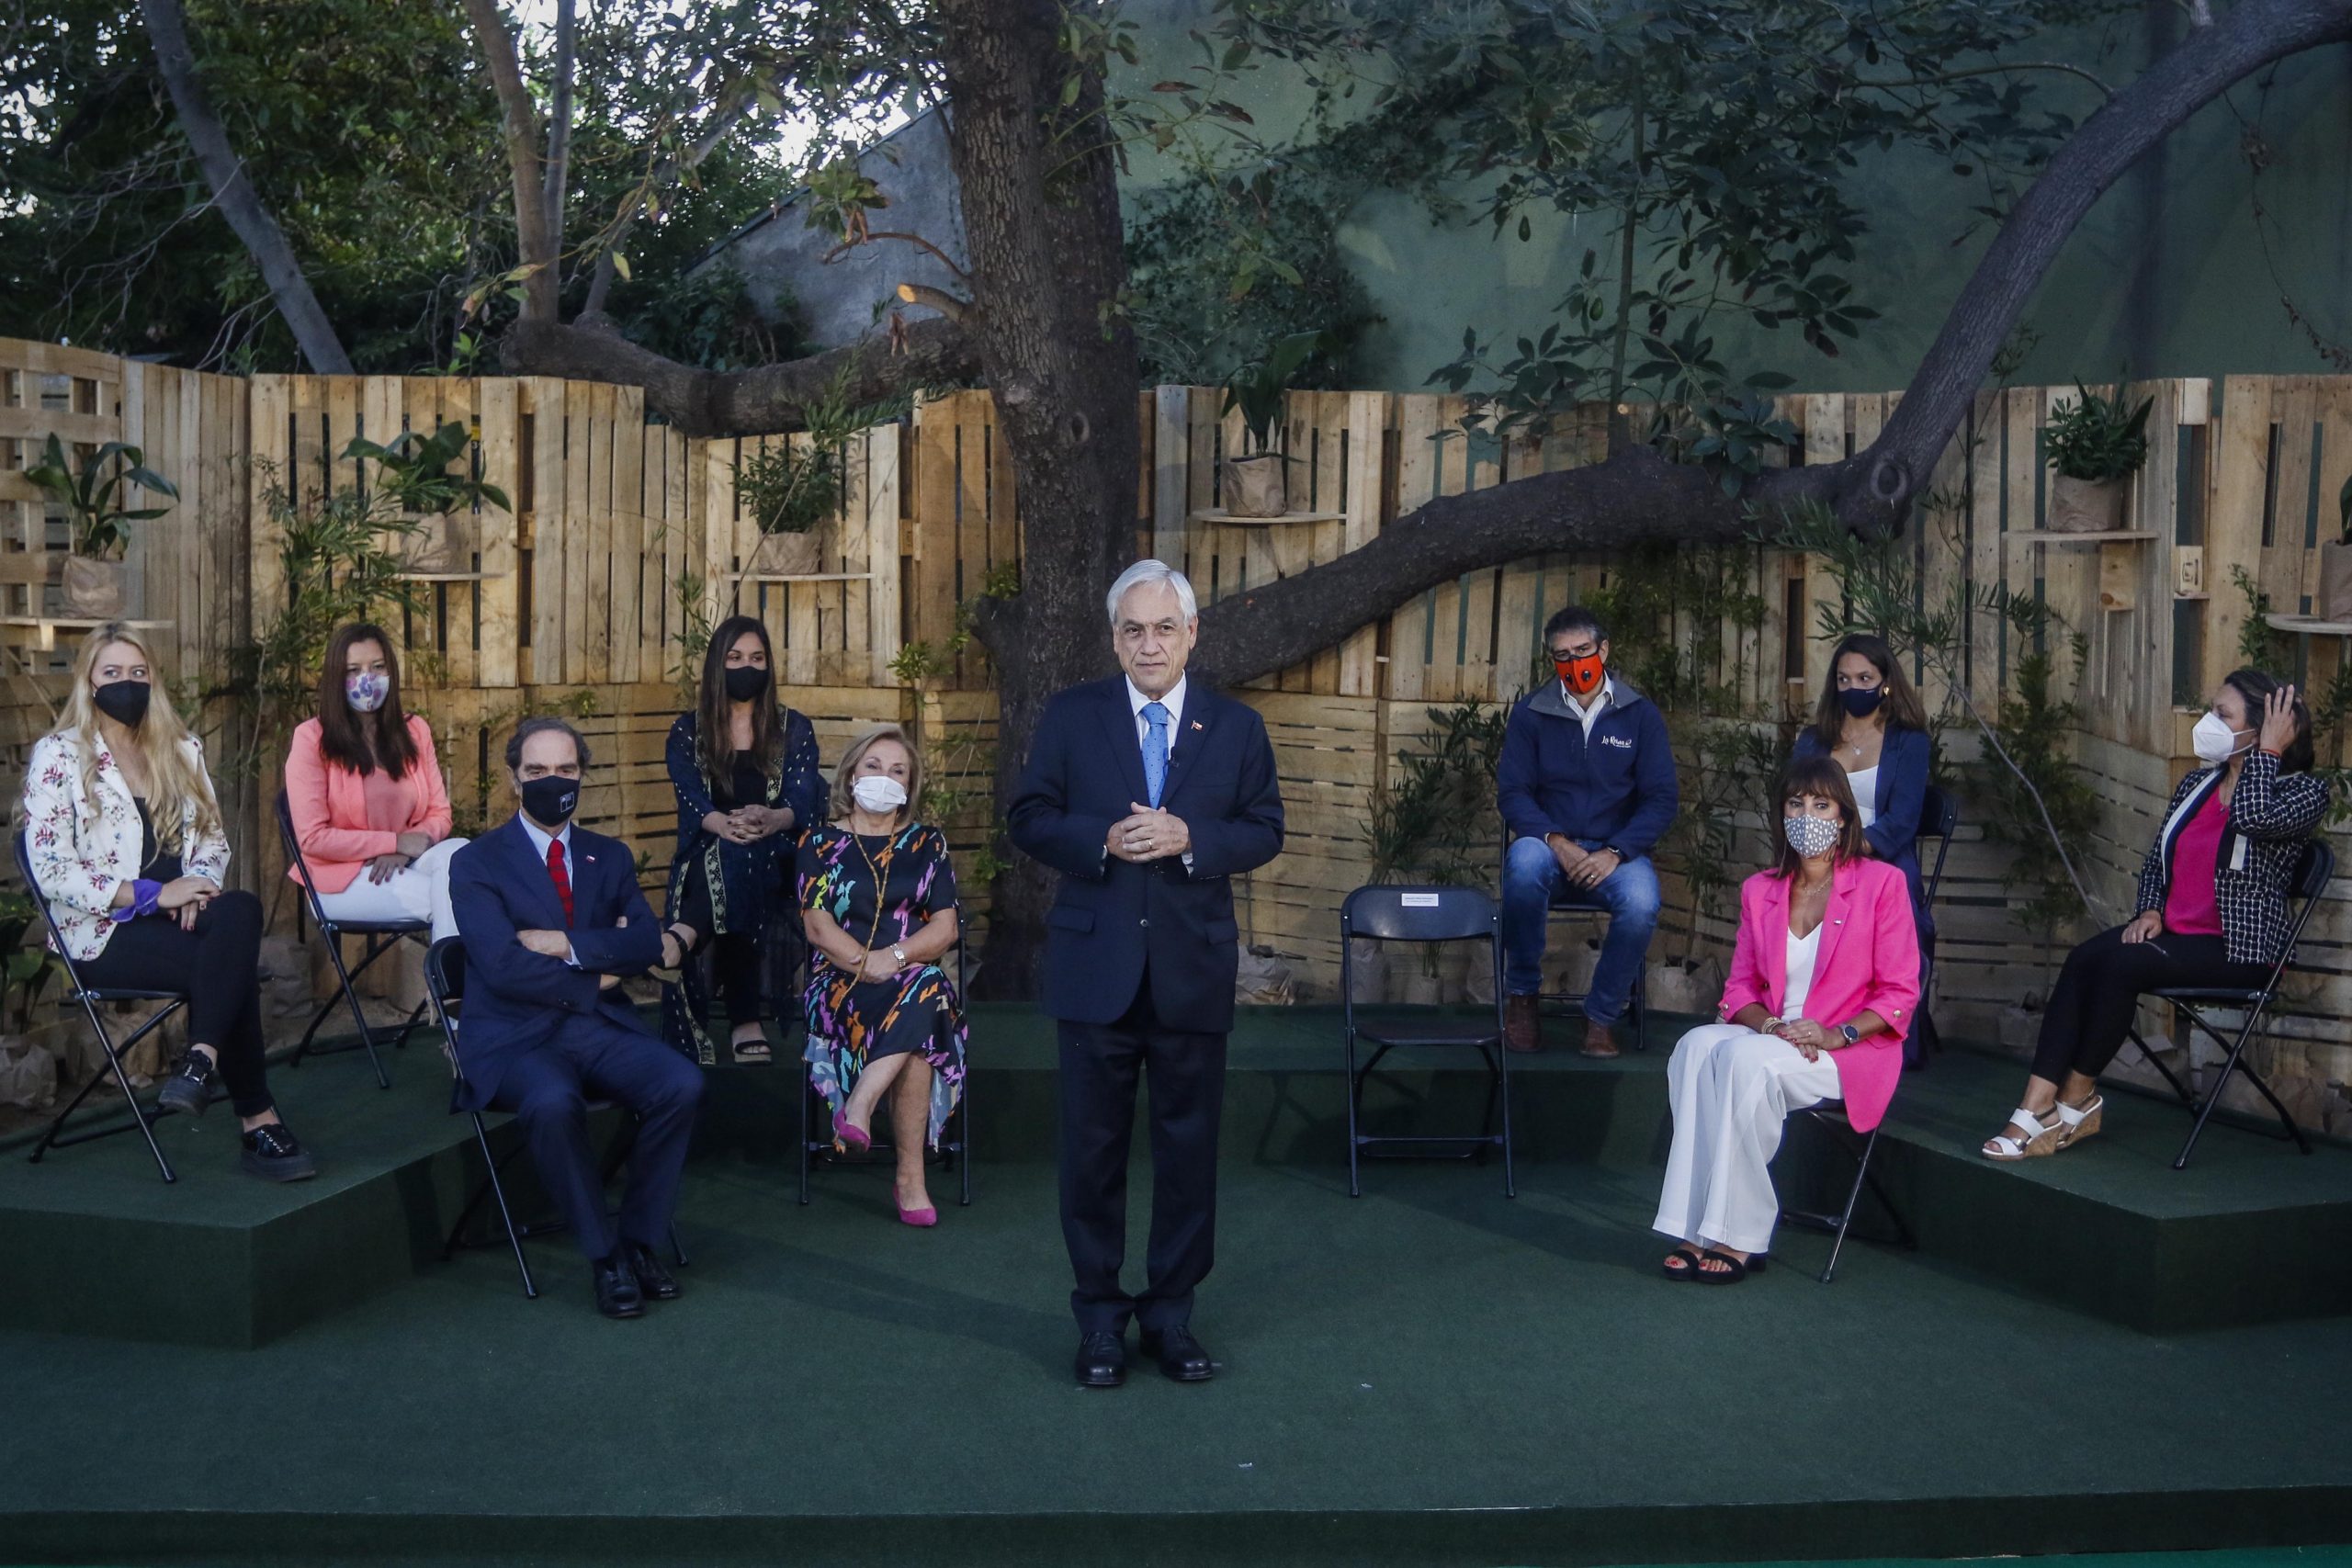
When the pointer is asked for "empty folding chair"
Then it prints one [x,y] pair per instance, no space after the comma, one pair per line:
[444,987]
[141,1117]
[816,1138]
[381,937]
[2313,873]
[1419,916]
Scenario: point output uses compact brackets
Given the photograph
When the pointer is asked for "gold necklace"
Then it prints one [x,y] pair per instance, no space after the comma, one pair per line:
[881,887]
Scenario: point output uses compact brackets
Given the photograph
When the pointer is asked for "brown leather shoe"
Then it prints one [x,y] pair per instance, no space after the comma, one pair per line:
[1522,1024]
[1598,1041]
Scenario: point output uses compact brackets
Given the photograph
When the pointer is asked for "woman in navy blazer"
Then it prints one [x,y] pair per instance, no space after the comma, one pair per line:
[1872,723]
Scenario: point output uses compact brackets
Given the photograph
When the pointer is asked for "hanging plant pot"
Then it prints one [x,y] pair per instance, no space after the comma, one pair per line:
[788,555]
[2334,602]
[2086,506]
[1254,486]
[90,589]
[441,546]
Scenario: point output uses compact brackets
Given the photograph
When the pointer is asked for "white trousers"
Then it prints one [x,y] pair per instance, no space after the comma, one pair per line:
[1730,1089]
[418,891]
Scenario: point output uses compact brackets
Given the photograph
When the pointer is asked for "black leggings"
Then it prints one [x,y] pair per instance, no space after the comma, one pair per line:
[217,966]
[734,957]
[2092,1005]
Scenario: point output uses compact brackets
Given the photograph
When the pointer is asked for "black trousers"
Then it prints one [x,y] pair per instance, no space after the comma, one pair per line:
[1100,1067]
[218,967]
[2092,1005]
[548,1090]
[734,957]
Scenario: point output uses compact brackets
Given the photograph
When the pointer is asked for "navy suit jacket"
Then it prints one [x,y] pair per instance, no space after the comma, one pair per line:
[517,1000]
[1903,765]
[1111,918]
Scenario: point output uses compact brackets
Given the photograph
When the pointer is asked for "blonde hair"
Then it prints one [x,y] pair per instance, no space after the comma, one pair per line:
[175,777]
[846,776]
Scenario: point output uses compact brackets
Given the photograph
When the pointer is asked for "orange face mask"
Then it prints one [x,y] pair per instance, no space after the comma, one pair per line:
[1581,676]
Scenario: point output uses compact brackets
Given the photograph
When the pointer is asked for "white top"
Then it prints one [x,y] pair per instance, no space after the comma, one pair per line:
[1865,787]
[1590,714]
[1173,702]
[1802,949]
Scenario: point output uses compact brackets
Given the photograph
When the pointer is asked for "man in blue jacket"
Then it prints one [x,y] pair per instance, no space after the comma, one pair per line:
[553,920]
[1586,788]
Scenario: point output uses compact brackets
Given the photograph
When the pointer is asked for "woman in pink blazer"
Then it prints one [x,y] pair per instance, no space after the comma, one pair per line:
[1824,980]
[365,788]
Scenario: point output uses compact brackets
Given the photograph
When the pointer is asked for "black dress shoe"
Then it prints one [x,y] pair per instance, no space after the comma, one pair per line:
[617,1292]
[1101,1360]
[271,1153]
[1180,1357]
[655,1281]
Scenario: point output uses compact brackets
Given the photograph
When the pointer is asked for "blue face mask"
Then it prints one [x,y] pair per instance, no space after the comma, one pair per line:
[1861,702]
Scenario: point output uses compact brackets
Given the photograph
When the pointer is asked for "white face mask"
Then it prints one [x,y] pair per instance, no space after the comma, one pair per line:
[2215,741]
[880,793]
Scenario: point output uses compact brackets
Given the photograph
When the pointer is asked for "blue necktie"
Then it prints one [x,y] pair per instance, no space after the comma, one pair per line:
[1155,749]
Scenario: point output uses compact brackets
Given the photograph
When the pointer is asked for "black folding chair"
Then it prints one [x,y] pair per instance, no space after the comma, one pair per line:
[444,987]
[90,997]
[381,937]
[1830,1116]
[2313,873]
[954,1139]
[1424,915]
[1572,902]
[1939,821]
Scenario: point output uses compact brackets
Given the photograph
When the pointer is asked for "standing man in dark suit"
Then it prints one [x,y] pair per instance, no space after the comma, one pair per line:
[553,920]
[1149,795]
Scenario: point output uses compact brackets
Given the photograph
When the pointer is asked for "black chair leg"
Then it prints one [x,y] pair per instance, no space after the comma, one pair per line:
[1511,1176]
[1853,1196]
[358,1017]
[1355,1093]
[506,1216]
[963,1140]
[140,1116]
[2213,1100]
[808,1092]
[2157,1062]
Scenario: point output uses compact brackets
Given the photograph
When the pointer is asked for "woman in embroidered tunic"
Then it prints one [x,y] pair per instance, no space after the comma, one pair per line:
[877,893]
[744,767]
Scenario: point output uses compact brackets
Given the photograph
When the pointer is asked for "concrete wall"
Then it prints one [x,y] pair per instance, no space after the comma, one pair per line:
[2164,277]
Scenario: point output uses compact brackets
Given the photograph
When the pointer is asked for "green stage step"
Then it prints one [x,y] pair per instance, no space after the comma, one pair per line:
[2251,1233]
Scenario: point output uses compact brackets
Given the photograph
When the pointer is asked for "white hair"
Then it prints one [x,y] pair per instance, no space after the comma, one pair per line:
[1144,571]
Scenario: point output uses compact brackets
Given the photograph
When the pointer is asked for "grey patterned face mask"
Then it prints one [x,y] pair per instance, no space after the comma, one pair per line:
[1809,836]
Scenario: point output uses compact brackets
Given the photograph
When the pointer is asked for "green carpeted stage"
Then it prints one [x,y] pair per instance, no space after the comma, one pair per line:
[2087,1353]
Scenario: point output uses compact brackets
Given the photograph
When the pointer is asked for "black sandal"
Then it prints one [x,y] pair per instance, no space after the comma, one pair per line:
[749,1052]
[1732,1276]
[1679,1265]
[686,951]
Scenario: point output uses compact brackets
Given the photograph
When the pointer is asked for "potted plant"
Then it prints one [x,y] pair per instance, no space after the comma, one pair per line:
[91,581]
[789,488]
[1254,483]
[2095,448]
[2335,598]
[413,474]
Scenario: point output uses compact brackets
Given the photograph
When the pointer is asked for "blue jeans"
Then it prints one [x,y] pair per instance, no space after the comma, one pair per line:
[1530,877]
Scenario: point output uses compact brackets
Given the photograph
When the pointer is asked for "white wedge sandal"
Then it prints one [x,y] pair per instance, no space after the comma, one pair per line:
[2042,1137]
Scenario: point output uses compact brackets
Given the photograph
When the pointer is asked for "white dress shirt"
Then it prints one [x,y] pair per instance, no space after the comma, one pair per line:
[1586,716]
[540,839]
[1175,702]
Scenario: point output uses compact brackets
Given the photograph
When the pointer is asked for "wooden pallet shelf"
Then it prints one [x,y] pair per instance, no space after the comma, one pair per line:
[2053,537]
[804,577]
[2310,625]
[1227,520]
[46,627]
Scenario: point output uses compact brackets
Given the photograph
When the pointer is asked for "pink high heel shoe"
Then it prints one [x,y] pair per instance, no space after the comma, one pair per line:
[926,1216]
[856,1140]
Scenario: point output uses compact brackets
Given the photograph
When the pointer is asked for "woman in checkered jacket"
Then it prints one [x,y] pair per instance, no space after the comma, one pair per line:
[2212,903]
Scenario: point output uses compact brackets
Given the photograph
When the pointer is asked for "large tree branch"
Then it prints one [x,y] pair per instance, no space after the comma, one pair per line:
[723,122]
[1637,495]
[744,402]
[520,121]
[558,161]
[234,192]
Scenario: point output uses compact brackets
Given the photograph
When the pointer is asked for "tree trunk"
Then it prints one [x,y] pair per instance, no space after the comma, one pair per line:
[1041,222]
[520,121]
[234,195]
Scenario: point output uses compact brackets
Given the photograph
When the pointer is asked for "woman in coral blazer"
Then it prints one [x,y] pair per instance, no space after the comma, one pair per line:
[364,785]
[1824,982]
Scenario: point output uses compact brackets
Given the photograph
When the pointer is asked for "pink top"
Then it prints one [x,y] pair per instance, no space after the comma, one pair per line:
[2191,907]
[1868,961]
[343,821]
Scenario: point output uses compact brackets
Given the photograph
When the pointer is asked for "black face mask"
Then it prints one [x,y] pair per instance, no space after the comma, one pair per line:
[550,800]
[125,702]
[746,681]
[1863,702]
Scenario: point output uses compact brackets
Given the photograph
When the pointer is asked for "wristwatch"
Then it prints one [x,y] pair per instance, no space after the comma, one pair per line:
[899,953]
[1850,1032]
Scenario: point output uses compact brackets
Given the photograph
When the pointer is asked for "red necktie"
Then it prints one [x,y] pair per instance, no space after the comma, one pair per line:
[562,877]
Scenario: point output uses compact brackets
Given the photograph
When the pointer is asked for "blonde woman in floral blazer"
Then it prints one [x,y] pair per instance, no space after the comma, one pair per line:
[125,842]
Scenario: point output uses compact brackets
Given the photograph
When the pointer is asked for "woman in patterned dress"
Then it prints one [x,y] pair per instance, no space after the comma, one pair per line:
[744,767]
[878,896]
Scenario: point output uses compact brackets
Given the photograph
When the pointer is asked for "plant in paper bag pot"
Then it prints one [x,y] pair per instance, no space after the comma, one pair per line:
[2095,448]
[2334,602]
[413,474]
[92,580]
[793,486]
[1254,484]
